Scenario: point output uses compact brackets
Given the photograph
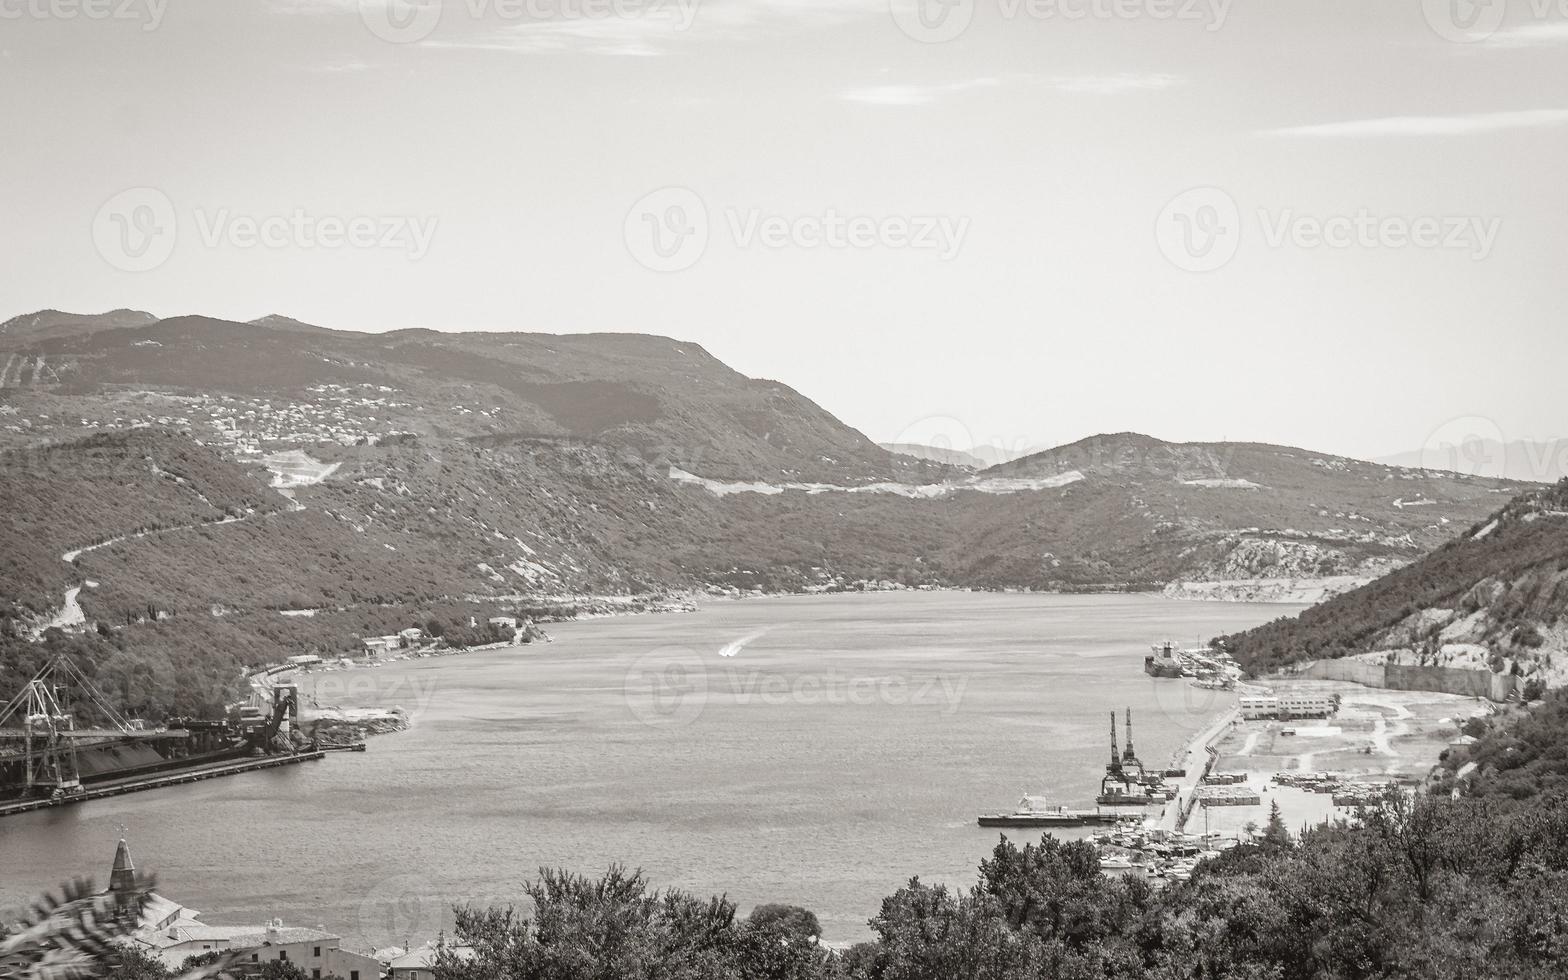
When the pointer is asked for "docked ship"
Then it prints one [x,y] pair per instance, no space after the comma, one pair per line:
[1033,811]
[1210,669]
[1168,660]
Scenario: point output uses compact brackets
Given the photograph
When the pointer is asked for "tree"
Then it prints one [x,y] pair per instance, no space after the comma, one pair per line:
[1275,835]
[790,920]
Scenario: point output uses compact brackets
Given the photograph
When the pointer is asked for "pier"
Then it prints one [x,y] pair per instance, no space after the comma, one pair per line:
[137,784]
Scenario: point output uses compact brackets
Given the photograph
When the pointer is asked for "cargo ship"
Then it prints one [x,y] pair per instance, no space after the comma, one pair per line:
[1033,812]
[1212,669]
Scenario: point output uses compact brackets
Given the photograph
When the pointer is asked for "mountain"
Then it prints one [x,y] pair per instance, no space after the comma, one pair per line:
[977,457]
[192,494]
[23,331]
[1523,460]
[949,457]
[660,398]
[1246,512]
[1496,596]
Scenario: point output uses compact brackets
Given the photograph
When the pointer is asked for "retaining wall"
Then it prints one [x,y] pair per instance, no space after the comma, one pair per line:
[1399,677]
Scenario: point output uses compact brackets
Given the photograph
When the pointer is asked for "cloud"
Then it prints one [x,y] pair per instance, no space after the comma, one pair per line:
[642,37]
[1538,35]
[624,27]
[1112,84]
[907,95]
[1486,122]
[902,95]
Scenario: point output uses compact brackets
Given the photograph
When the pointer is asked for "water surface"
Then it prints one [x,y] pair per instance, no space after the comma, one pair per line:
[846,747]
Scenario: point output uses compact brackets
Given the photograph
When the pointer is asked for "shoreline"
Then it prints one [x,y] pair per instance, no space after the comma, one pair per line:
[1197,758]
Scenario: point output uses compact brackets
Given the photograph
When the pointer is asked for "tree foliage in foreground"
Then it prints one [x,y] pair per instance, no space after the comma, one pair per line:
[1424,887]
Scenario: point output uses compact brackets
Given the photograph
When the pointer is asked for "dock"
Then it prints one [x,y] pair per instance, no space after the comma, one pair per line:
[139,783]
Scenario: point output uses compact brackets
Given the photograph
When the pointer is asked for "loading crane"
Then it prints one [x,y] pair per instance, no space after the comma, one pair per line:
[43,748]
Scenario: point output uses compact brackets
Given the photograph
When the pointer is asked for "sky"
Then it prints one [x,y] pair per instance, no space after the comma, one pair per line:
[1338,225]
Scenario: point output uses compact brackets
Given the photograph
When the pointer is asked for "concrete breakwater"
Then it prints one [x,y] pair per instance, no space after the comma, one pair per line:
[1404,677]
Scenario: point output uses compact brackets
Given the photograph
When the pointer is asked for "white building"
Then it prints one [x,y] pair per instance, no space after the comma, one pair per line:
[419,964]
[1294,704]
[171,933]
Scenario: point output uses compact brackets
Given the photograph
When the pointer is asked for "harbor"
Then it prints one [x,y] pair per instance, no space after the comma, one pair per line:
[1318,751]
[48,759]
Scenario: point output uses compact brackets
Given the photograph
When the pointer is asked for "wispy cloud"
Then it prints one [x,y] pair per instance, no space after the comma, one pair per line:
[1537,35]
[1487,122]
[630,27]
[1112,84]
[901,95]
[910,94]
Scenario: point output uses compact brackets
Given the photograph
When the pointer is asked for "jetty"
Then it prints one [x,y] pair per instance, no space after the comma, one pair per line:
[136,784]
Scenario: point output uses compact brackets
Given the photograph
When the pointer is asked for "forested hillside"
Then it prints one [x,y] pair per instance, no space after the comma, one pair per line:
[1497,593]
[193,489]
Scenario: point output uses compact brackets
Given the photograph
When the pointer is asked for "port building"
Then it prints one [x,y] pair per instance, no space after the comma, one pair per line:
[1295,704]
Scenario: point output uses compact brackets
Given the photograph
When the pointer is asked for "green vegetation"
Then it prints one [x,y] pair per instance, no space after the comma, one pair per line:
[1425,888]
[1432,887]
[1522,755]
[1512,568]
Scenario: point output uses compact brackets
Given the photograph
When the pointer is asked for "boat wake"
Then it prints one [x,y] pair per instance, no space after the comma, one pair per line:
[736,646]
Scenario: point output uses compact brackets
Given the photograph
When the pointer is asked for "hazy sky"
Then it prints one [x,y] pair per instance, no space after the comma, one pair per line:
[1331,224]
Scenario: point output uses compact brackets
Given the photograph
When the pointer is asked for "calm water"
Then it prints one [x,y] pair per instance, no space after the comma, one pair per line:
[847,747]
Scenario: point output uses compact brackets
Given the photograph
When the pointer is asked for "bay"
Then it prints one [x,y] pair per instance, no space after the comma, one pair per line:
[847,745]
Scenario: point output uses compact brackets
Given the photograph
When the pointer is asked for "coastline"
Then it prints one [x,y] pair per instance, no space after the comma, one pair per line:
[1196,758]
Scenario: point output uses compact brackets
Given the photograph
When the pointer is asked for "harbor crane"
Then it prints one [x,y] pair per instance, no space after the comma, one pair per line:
[44,746]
